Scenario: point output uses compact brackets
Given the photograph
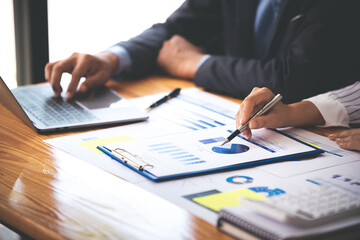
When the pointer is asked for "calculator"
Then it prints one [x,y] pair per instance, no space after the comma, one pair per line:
[312,205]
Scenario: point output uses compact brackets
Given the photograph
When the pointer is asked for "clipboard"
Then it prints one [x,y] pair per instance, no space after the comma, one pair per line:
[141,166]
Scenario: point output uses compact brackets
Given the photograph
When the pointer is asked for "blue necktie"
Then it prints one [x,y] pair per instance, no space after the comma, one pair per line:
[266,14]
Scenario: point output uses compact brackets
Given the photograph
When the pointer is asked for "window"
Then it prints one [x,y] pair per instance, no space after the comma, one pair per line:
[7,46]
[90,26]
[87,26]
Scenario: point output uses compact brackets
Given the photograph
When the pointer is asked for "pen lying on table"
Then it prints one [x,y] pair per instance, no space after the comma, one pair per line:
[262,111]
[172,94]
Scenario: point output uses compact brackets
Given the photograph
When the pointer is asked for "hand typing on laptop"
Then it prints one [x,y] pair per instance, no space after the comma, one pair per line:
[177,57]
[318,110]
[96,68]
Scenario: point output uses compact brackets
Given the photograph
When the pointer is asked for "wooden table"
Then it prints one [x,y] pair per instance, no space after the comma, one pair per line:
[48,194]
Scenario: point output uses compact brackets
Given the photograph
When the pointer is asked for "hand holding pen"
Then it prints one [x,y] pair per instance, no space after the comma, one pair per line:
[260,112]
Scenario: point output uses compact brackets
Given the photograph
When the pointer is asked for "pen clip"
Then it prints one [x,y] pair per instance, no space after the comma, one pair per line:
[131,159]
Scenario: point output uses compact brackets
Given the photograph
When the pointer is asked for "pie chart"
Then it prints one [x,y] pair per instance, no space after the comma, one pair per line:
[229,148]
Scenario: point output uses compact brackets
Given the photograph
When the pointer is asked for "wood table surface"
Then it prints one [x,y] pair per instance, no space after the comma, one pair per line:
[46,193]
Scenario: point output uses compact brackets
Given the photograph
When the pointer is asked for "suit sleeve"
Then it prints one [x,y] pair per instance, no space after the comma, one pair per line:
[323,55]
[186,21]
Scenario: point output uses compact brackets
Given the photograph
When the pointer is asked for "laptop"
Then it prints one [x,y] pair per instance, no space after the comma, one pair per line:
[37,107]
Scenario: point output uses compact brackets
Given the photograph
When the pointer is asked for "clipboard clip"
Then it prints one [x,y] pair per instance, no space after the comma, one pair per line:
[130,158]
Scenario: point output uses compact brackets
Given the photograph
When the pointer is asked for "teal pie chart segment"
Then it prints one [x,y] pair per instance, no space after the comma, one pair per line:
[231,148]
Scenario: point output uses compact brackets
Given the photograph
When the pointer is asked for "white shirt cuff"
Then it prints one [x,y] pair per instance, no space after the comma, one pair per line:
[124,60]
[202,60]
[333,112]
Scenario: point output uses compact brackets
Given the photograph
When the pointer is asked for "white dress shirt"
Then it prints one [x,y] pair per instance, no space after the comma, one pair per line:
[340,107]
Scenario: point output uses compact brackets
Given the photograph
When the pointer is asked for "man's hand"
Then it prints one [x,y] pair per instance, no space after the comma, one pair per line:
[348,139]
[179,58]
[97,70]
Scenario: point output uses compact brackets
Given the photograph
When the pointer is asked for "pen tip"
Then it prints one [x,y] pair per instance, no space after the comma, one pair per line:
[147,109]
[224,142]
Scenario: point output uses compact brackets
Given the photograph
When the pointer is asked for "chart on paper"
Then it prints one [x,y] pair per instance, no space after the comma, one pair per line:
[192,110]
[333,155]
[201,150]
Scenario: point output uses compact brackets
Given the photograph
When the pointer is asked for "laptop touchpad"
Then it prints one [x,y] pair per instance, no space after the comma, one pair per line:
[100,97]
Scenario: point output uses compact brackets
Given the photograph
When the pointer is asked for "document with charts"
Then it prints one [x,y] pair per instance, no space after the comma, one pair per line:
[198,152]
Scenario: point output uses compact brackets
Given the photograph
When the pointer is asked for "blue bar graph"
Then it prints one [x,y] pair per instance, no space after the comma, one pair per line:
[183,156]
[195,124]
[158,144]
[212,140]
[193,120]
[202,161]
[206,123]
[177,153]
[189,159]
[171,151]
[163,148]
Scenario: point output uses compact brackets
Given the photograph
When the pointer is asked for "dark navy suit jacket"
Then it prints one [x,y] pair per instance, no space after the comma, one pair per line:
[314,47]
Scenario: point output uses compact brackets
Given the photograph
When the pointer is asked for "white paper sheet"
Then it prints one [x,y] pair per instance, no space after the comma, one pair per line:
[333,156]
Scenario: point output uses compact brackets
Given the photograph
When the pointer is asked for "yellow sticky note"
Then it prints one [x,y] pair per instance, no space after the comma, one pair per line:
[92,144]
[217,201]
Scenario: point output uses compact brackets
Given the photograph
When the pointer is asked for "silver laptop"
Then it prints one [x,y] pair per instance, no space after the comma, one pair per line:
[37,107]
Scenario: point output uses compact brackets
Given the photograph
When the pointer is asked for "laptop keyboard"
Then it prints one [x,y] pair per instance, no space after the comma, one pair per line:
[52,111]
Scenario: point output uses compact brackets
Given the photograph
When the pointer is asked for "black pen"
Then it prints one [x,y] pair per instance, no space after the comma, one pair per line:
[171,95]
[262,111]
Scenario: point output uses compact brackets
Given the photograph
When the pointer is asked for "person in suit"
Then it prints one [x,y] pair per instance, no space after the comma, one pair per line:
[298,48]
[339,108]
